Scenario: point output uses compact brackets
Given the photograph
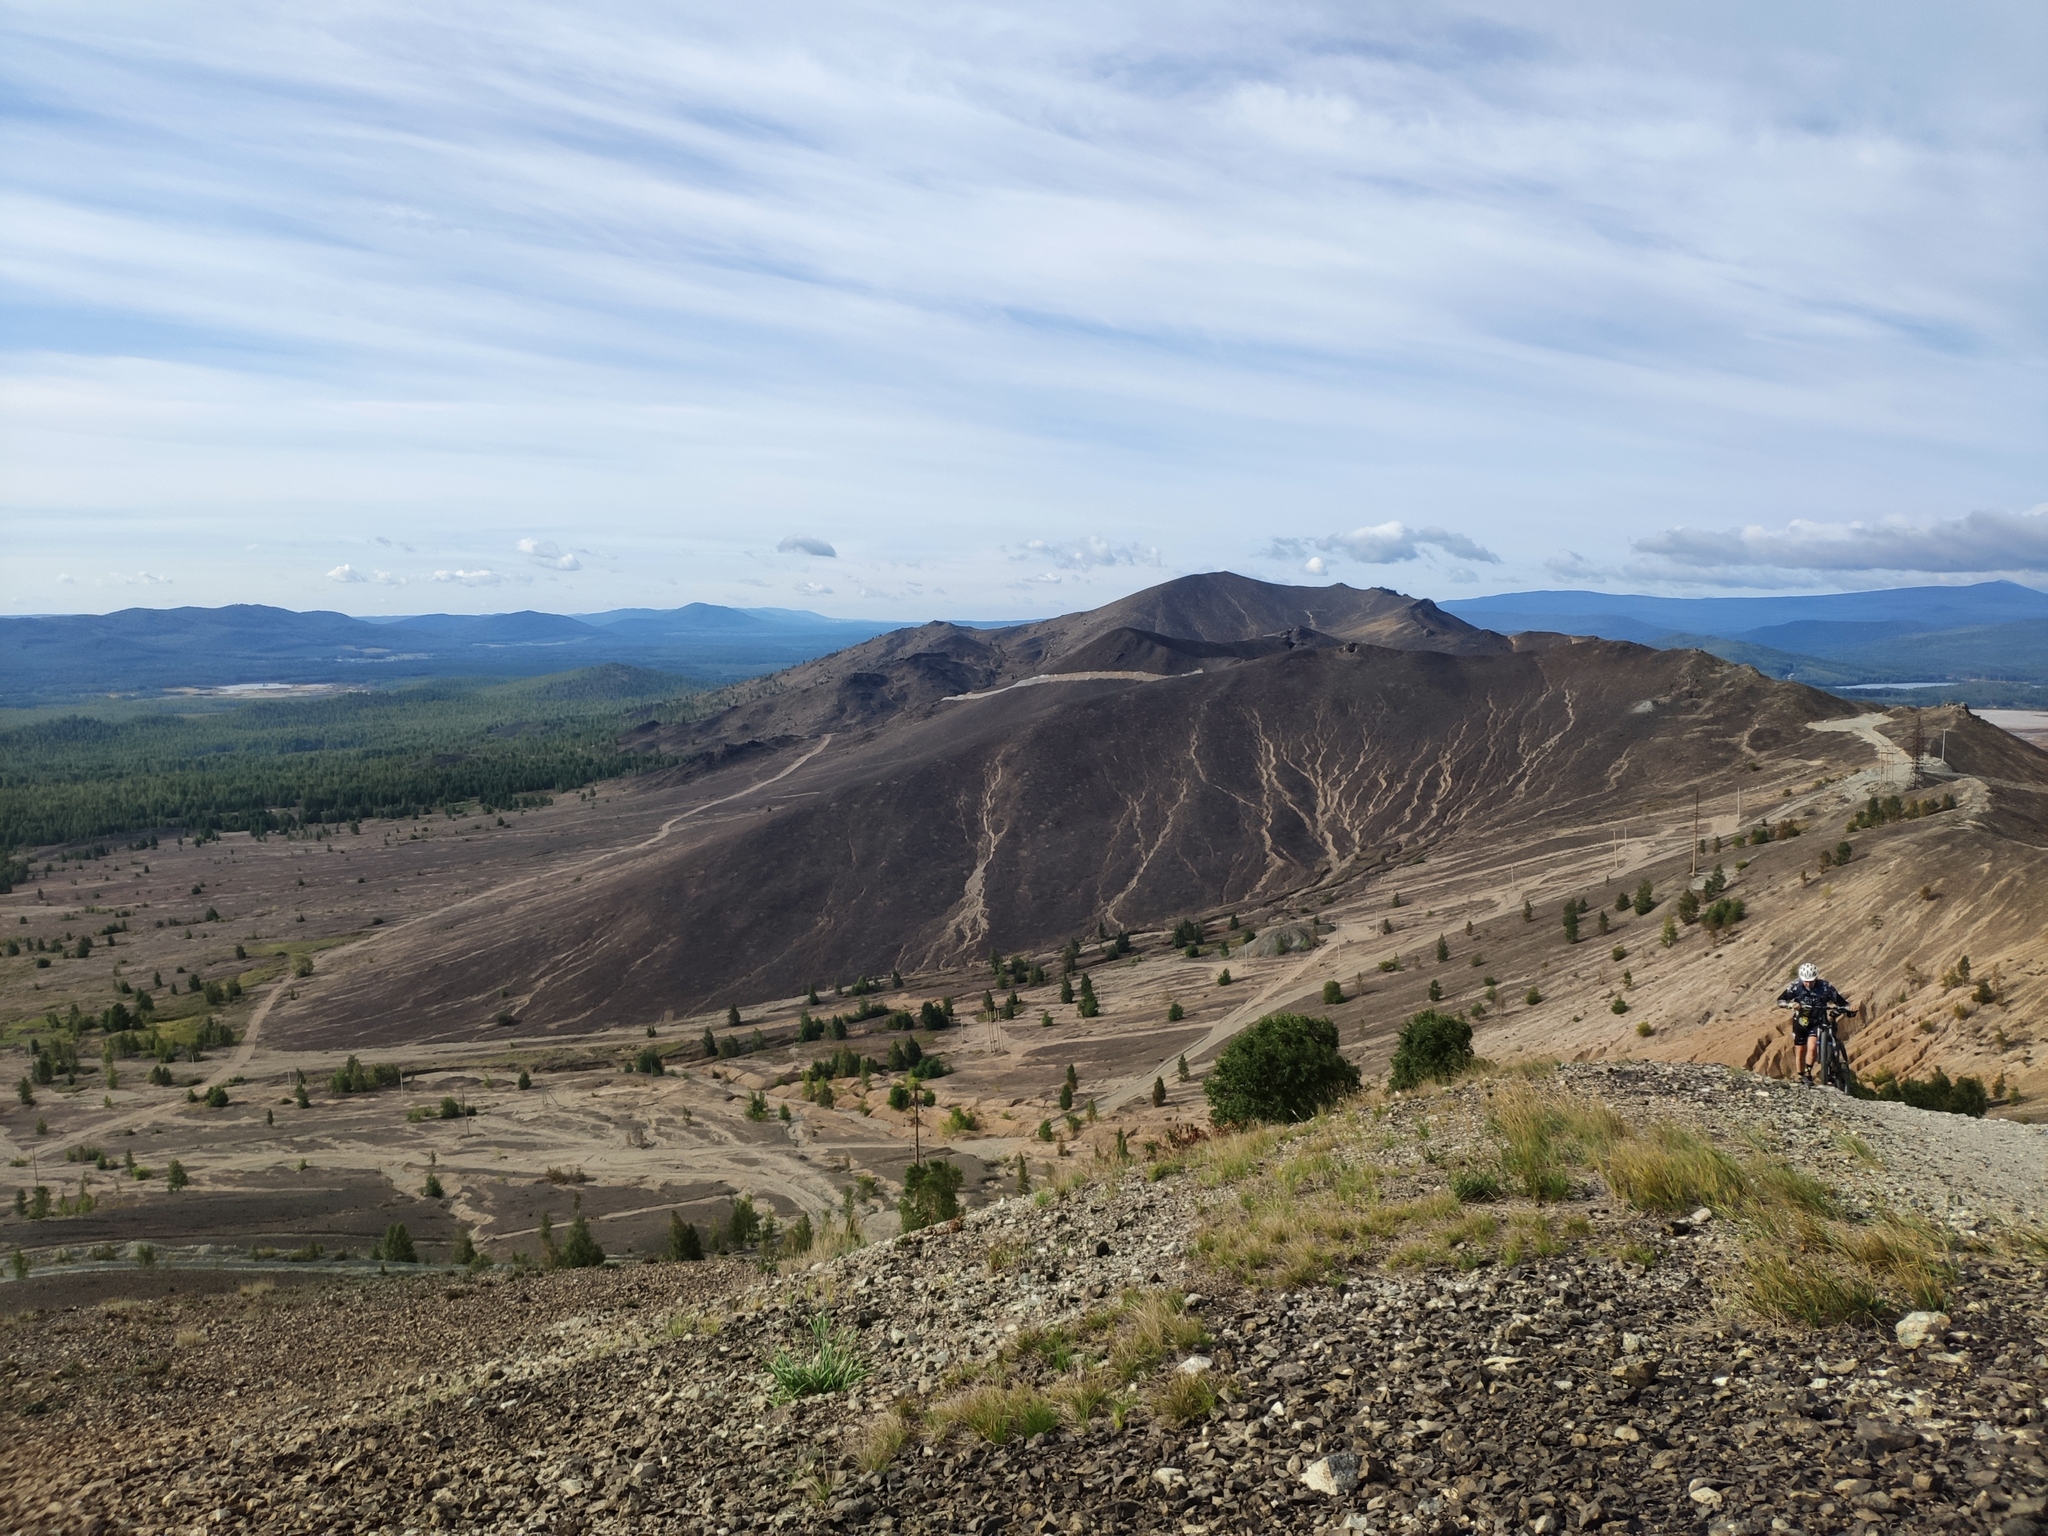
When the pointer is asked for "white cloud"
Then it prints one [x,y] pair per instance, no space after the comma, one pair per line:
[1976,543]
[550,554]
[1507,269]
[799,544]
[1385,544]
[65,579]
[812,589]
[139,579]
[346,572]
[1087,553]
[481,578]
[1315,565]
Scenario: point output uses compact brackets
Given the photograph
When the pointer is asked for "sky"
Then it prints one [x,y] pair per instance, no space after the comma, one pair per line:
[917,310]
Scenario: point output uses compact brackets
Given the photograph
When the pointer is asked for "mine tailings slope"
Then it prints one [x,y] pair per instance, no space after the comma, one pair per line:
[1014,820]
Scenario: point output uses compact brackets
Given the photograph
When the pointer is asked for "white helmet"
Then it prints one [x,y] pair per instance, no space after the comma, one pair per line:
[1809,972]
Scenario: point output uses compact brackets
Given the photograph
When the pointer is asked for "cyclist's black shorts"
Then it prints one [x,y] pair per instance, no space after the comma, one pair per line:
[1802,1029]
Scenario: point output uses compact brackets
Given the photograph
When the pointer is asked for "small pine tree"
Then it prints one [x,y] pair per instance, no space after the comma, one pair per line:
[1670,934]
[1066,996]
[1183,1069]
[732,1017]
[1089,1008]
[1443,950]
[525,1081]
[1333,991]
[1436,991]
[581,1250]
[1158,1092]
[1571,922]
[1603,920]
[710,1042]
[396,1248]
[1175,1013]
[174,1175]
[1528,912]
[1066,1096]
[684,1245]
[432,1188]
[1223,977]
[465,1247]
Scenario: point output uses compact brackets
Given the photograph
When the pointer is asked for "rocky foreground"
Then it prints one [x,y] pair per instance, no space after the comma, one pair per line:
[1303,1334]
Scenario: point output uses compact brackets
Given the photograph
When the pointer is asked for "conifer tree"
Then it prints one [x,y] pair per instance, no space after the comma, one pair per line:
[1443,950]
[1183,1068]
[1158,1091]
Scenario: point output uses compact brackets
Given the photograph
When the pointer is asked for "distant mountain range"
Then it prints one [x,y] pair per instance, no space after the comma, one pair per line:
[62,657]
[1985,644]
[1985,640]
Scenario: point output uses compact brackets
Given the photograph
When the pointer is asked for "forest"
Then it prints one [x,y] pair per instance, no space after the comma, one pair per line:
[199,766]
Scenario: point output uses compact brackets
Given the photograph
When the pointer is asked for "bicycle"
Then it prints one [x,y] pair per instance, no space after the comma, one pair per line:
[1830,1060]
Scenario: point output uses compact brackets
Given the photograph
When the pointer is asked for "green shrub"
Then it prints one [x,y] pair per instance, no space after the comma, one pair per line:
[931,1194]
[1286,1067]
[1333,992]
[1433,1047]
[1474,1186]
[396,1246]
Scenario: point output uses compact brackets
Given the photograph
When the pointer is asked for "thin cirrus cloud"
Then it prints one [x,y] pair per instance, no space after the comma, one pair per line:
[961,275]
[1091,552]
[1978,543]
[1393,543]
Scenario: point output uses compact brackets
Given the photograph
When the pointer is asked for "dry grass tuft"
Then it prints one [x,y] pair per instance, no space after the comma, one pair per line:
[997,1414]
[880,1442]
[189,1338]
[1186,1397]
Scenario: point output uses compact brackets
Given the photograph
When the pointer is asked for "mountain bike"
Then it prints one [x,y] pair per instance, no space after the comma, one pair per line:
[1830,1061]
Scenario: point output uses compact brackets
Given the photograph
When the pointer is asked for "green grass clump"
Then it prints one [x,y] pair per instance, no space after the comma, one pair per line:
[832,1366]
[998,1414]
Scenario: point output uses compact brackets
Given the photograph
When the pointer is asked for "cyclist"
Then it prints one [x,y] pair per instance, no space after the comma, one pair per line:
[1809,997]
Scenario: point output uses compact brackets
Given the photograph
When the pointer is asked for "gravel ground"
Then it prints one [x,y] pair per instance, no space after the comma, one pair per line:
[1573,1392]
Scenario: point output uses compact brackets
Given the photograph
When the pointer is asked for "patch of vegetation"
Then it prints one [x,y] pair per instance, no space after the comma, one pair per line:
[1433,1047]
[317,766]
[1285,1068]
[832,1365]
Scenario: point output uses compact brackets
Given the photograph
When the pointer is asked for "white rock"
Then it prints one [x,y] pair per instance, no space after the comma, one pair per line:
[1194,1365]
[1700,1217]
[1916,1328]
[1170,1478]
[1334,1475]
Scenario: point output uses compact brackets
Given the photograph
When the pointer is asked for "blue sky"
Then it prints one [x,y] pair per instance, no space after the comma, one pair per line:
[910,310]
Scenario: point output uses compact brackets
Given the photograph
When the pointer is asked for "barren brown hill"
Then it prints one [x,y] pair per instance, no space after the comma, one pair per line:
[1017,818]
[915,670]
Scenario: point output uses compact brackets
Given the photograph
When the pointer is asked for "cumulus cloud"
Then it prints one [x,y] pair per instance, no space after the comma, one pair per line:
[1316,565]
[140,579]
[480,578]
[346,572]
[1975,543]
[1385,544]
[550,554]
[800,544]
[813,589]
[1086,553]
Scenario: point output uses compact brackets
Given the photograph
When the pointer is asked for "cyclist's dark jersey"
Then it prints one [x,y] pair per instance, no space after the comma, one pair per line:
[1807,1000]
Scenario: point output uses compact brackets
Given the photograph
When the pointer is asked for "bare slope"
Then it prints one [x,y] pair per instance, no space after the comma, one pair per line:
[1012,820]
